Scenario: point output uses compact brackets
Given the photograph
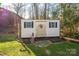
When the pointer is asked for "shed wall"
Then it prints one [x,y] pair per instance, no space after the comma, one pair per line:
[50,32]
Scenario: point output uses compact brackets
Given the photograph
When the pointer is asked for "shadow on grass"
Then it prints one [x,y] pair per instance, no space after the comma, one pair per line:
[7,38]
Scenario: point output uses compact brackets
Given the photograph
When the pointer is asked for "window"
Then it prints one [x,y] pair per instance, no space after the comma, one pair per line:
[28,24]
[52,24]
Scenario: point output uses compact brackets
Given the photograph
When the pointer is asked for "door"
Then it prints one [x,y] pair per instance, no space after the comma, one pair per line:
[40,29]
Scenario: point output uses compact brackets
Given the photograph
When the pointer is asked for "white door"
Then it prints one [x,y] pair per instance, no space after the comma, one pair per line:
[40,29]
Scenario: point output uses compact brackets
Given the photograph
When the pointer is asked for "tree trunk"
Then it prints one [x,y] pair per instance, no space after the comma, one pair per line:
[45,14]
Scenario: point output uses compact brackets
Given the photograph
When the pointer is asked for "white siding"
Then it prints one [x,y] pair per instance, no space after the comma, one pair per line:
[26,32]
[51,32]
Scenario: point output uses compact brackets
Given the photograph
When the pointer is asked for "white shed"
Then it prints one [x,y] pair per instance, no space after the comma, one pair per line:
[40,28]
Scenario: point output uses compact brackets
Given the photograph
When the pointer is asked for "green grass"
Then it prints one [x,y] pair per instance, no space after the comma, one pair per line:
[7,38]
[37,50]
[57,49]
[65,48]
[10,47]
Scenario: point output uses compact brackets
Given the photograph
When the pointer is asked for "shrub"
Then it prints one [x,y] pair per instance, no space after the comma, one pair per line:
[73,35]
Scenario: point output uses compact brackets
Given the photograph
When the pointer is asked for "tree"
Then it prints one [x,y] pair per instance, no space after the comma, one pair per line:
[19,8]
[33,12]
[55,12]
[45,10]
[39,12]
[36,10]
[68,17]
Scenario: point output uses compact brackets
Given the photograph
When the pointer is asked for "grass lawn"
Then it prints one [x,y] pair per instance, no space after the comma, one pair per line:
[57,49]
[10,47]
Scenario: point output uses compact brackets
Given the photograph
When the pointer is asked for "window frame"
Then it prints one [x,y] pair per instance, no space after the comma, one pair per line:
[53,25]
[28,24]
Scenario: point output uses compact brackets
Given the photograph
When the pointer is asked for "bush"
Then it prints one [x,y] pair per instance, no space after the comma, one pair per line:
[73,35]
